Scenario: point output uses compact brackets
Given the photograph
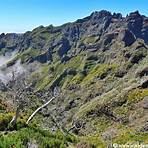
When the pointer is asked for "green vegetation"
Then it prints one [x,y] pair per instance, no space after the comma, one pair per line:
[131,137]
[30,135]
[92,142]
[89,39]
[100,71]
[29,53]
[5,120]
[137,95]
[77,78]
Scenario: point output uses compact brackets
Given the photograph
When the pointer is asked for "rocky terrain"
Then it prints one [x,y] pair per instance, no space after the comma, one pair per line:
[100,63]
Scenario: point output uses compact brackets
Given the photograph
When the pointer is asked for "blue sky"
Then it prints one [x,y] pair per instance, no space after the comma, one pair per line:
[22,15]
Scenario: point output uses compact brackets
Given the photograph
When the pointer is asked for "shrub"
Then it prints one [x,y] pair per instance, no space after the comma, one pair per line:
[43,138]
[4,120]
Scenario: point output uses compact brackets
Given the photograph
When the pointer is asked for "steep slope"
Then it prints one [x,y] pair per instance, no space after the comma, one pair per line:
[101,64]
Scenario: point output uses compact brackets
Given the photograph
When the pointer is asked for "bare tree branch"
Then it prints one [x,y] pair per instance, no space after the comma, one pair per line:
[38,109]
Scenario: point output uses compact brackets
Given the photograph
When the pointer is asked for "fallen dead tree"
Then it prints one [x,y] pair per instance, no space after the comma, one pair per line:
[38,109]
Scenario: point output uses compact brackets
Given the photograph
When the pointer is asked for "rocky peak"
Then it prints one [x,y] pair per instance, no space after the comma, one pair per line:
[135,23]
[100,15]
[2,35]
[134,15]
[117,15]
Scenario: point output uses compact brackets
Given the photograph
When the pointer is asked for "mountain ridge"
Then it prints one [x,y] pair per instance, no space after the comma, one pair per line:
[112,26]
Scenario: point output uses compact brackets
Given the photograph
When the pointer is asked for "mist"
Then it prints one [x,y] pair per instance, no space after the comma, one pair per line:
[6,73]
[4,59]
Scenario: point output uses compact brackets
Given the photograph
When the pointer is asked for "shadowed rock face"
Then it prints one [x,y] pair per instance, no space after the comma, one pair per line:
[135,23]
[64,47]
[43,58]
[127,37]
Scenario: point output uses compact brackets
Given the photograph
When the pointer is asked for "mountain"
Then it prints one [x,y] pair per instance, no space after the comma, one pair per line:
[100,63]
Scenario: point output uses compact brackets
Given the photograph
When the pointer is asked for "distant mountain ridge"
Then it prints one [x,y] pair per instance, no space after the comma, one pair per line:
[103,26]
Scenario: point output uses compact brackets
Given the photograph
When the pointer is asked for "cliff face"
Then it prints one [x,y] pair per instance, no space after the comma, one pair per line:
[101,64]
